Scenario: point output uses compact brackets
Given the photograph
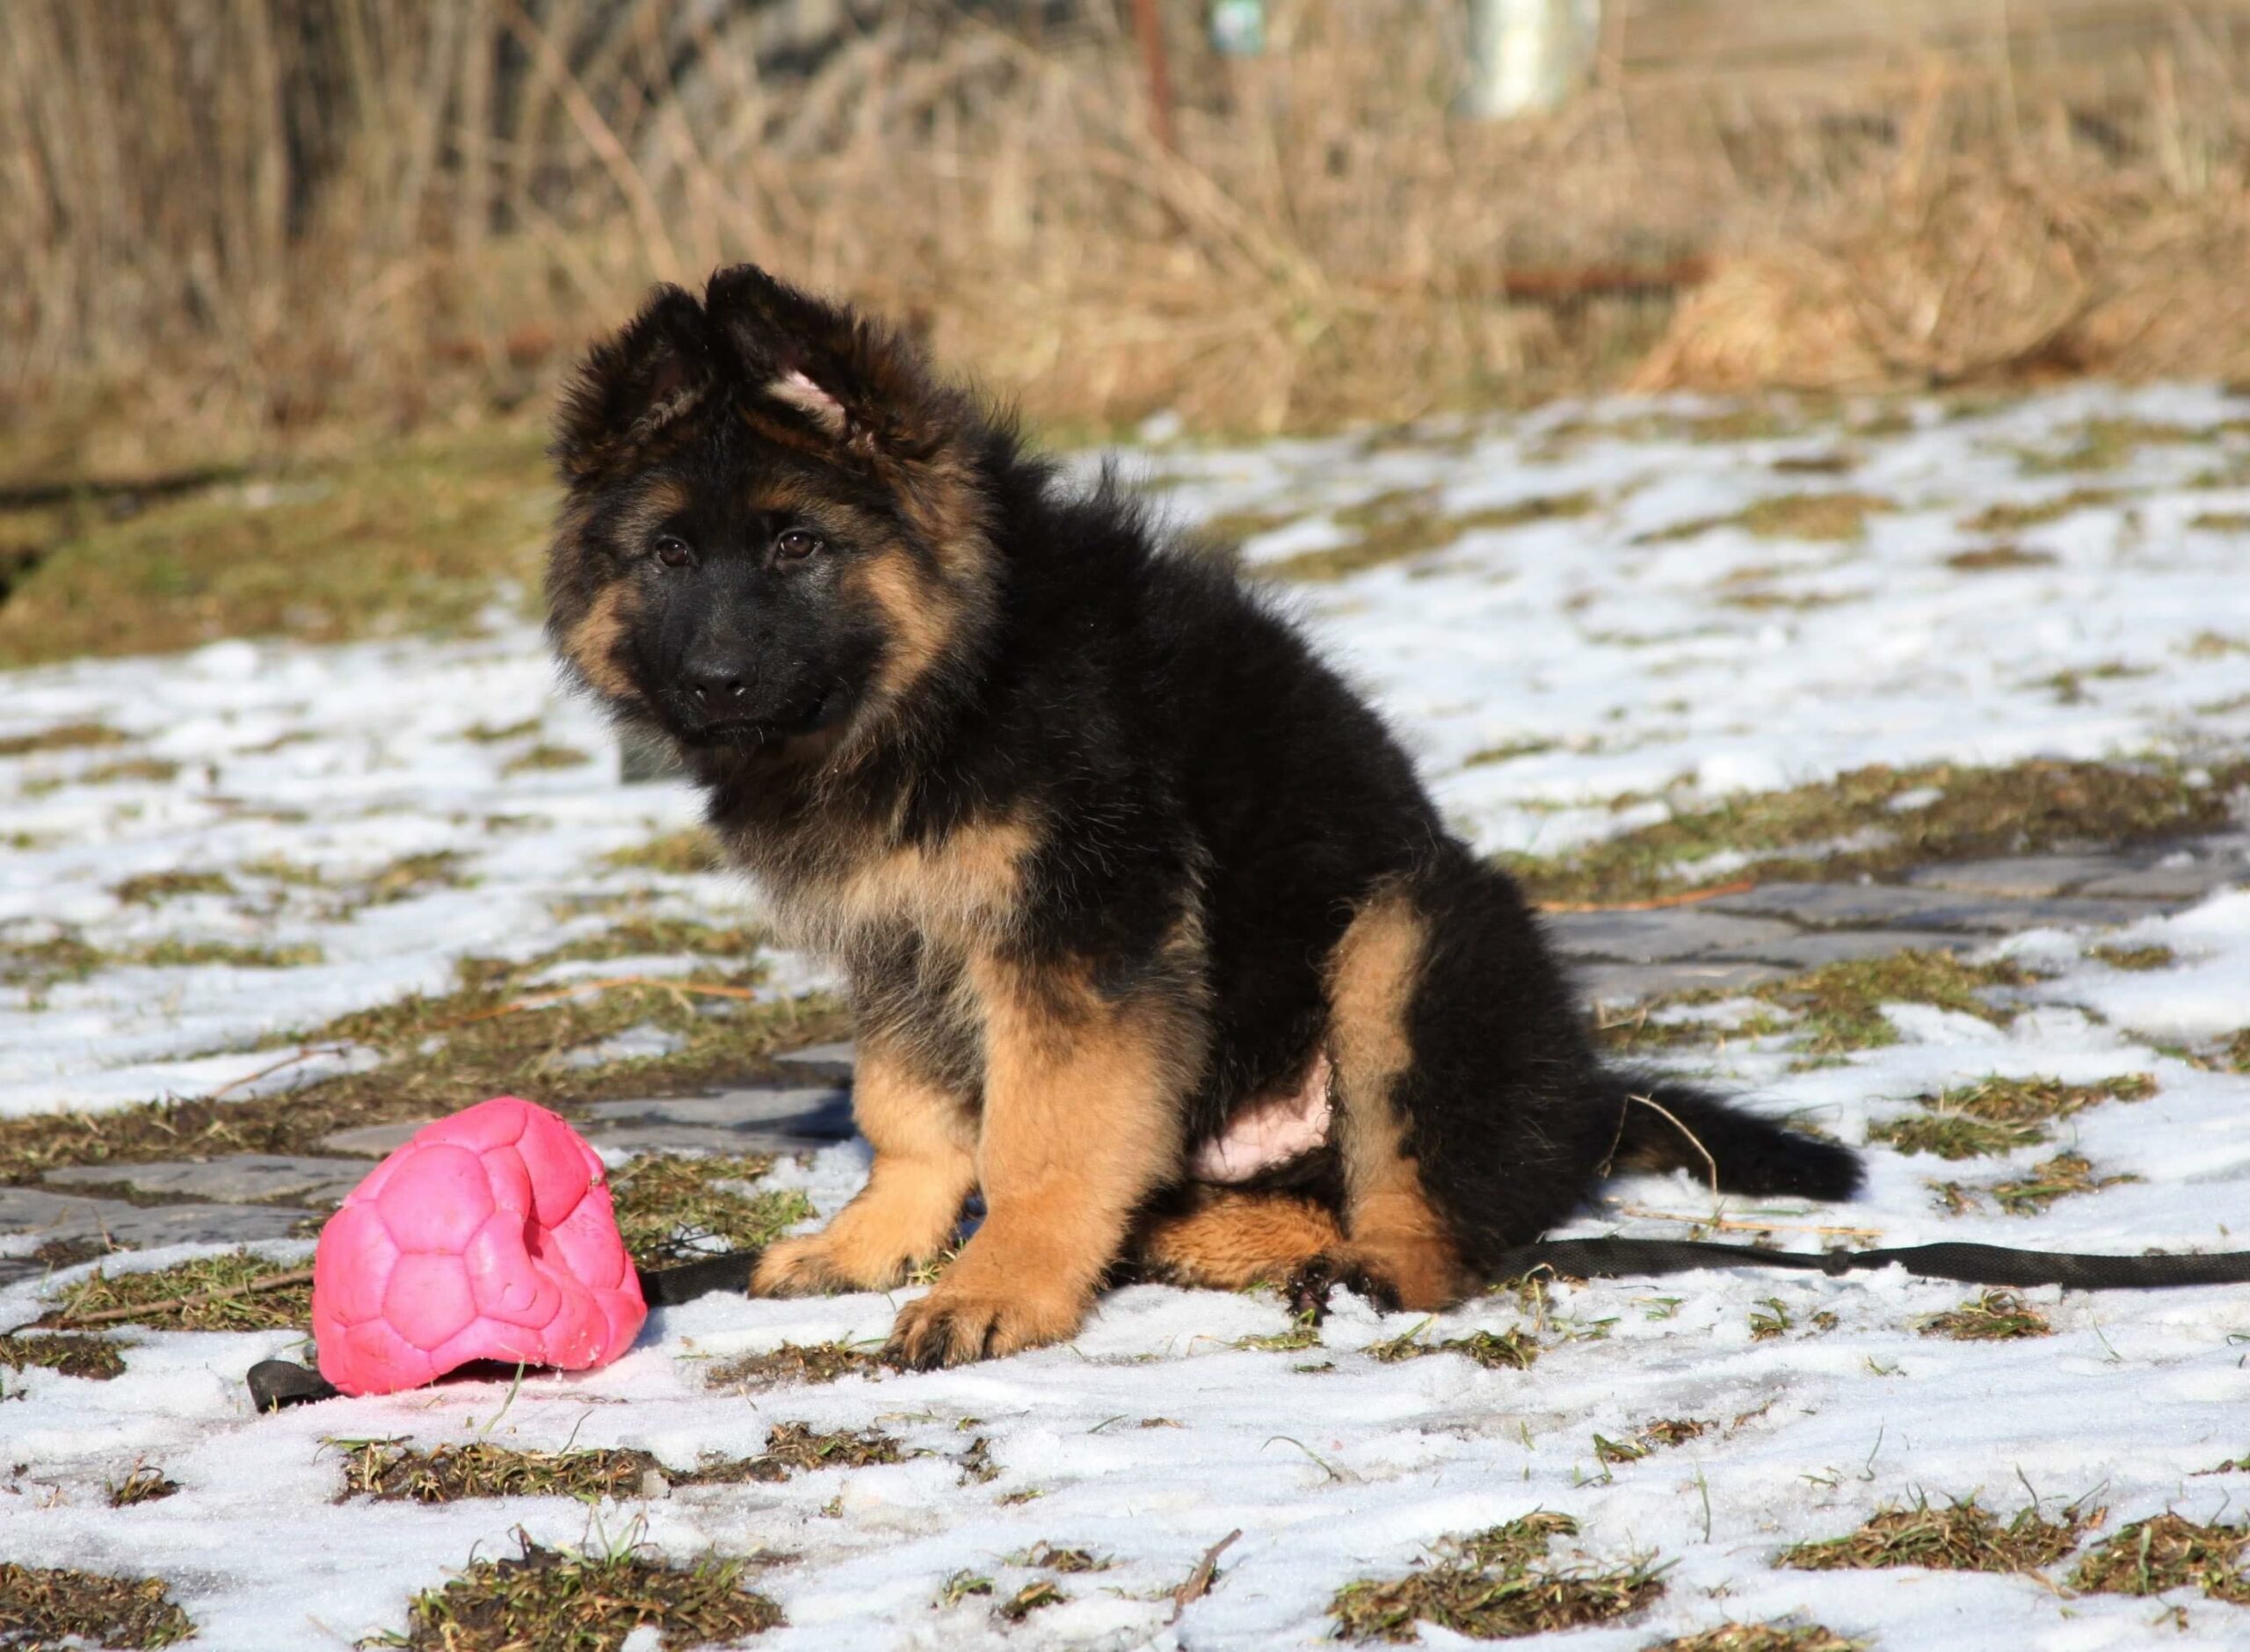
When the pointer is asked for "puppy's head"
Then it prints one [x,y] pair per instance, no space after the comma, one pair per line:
[774,531]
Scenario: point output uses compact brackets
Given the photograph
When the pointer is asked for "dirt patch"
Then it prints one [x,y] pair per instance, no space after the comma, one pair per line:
[47,1606]
[1961,1536]
[1495,1585]
[1998,1115]
[62,737]
[1990,1316]
[1502,1350]
[1838,517]
[391,1471]
[679,853]
[790,1365]
[2169,1552]
[1993,559]
[144,1484]
[1407,521]
[496,1035]
[545,1598]
[1762,1637]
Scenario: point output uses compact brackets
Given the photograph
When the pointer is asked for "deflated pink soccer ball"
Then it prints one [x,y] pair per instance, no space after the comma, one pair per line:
[488,1236]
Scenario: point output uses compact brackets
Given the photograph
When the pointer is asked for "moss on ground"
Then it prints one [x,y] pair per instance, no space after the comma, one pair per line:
[497,1033]
[43,1606]
[1495,1584]
[418,536]
[2149,1557]
[92,1357]
[159,1296]
[1407,521]
[1961,1536]
[789,1364]
[546,1598]
[1974,814]
[1988,1316]
[670,1209]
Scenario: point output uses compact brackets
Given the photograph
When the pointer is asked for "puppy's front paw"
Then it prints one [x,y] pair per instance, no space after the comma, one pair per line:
[803,1266]
[958,1322]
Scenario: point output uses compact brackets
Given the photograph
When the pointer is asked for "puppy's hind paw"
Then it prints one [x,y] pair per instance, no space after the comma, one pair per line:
[1306,1290]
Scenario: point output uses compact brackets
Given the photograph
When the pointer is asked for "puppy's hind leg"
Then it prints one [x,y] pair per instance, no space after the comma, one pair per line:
[1397,1246]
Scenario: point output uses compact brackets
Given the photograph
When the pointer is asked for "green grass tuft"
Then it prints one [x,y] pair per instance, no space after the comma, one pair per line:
[671,1208]
[1990,1316]
[160,1296]
[2168,1552]
[90,1356]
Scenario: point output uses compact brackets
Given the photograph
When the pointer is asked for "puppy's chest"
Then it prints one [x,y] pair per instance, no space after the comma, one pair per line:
[863,897]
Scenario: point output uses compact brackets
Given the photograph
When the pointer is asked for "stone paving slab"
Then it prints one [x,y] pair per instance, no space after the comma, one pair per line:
[1896,906]
[376,1141]
[2025,878]
[1815,949]
[242,1178]
[2170,884]
[1618,985]
[733,1120]
[1664,936]
[66,1216]
[835,1061]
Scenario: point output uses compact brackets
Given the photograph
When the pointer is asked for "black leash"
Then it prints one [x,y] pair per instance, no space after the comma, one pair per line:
[1968,1265]
[275,1383]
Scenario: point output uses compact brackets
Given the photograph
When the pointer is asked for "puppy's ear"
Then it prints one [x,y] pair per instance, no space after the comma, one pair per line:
[847,384]
[633,385]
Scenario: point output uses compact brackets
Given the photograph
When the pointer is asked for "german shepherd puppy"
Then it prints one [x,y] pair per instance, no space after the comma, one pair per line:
[1153,937]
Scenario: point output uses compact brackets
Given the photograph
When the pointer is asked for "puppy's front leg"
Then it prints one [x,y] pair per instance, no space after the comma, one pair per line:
[1081,1122]
[924,1167]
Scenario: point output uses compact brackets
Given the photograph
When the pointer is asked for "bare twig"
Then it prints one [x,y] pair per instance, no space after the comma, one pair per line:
[1199,1580]
[67,1320]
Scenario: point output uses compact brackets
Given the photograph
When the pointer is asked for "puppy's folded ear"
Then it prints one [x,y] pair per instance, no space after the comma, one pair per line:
[632,387]
[847,384]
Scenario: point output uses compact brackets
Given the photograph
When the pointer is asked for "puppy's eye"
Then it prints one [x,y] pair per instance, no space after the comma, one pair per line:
[795,544]
[673,551]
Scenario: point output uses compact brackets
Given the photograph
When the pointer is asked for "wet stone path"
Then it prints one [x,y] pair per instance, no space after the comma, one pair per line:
[1733,941]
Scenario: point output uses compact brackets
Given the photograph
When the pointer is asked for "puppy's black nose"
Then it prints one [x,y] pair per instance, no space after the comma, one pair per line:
[718,690]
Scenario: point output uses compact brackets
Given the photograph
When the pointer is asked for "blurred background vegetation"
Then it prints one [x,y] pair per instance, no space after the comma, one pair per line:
[286,280]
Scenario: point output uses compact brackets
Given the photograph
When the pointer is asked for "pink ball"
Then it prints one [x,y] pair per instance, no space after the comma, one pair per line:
[488,1236]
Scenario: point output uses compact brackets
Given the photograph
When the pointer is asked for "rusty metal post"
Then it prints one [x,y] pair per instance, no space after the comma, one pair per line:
[1148,28]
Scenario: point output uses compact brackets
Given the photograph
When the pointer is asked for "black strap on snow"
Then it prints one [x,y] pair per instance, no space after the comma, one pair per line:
[276,1383]
[1969,1264]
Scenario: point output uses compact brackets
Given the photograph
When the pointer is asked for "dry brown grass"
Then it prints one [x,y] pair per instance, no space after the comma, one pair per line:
[1326,240]
[1960,1537]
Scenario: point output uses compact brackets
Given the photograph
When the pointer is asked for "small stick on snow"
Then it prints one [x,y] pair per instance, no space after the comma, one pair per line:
[271,1282]
[1733,1225]
[305,1054]
[538,1000]
[1693,1140]
[1686,897]
[1199,1580]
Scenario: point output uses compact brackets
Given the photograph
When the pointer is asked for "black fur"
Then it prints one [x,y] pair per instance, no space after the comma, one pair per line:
[1189,755]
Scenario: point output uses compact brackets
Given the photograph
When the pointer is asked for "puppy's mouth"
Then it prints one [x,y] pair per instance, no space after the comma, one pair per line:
[810,714]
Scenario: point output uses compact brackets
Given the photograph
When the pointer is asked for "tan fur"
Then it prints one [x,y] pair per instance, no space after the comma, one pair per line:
[963,888]
[1393,1231]
[920,615]
[591,645]
[1233,1240]
[925,1168]
[1081,1122]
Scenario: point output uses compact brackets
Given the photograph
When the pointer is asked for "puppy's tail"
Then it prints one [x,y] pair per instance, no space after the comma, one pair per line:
[1673,1127]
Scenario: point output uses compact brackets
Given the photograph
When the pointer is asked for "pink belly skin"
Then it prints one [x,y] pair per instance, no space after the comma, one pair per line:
[1270,1132]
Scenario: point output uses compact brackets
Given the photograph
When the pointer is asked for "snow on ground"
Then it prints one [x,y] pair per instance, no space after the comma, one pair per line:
[2122,629]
